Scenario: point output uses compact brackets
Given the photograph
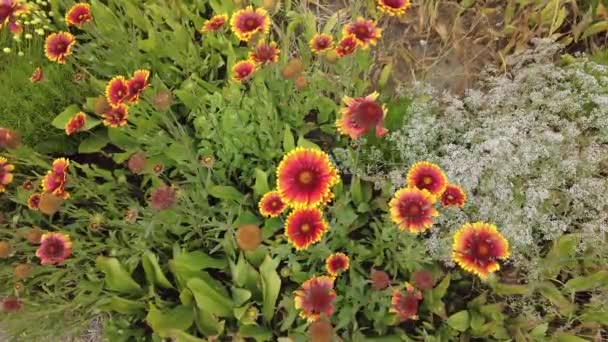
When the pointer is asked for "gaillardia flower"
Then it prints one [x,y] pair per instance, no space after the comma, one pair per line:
[10,10]
[78,15]
[55,180]
[76,123]
[33,202]
[265,53]
[163,197]
[347,45]
[478,246]
[412,209]
[304,227]
[243,70]
[37,75]
[11,304]
[315,298]
[380,280]
[58,46]
[394,7]
[453,195]
[305,177]
[405,305]
[271,205]
[423,279]
[337,263]
[116,116]
[247,22]
[321,42]
[117,91]
[137,162]
[6,175]
[215,23]
[425,175]
[365,31]
[360,115]
[9,138]
[54,248]
[137,84]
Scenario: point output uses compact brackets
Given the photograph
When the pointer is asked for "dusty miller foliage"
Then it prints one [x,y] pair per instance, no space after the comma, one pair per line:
[530,148]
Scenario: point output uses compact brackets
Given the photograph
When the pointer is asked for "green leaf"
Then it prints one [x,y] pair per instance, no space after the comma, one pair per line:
[121,305]
[163,323]
[208,324]
[178,151]
[208,298]
[596,28]
[355,190]
[460,320]
[62,119]
[154,273]
[93,143]
[385,75]
[225,192]
[512,289]
[180,336]
[549,291]
[598,279]
[117,278]
[289,143]
[539,330]
[564,337]
[271,285]
[271,226]
[260,334]
[119,138]
[261,183]
[303,142]
[196,261]
[240,296]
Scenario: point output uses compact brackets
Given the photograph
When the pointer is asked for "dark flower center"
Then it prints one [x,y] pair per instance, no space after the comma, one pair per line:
[414,209]
[251,24]
[483,249]
[362,31]
[305,177]
[54,249]
[393,3]
[320,299]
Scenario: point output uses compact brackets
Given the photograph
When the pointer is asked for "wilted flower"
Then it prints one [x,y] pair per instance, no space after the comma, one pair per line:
[33,235]
[54,248]
[243,70]
[11,304]
[271,205]
[137,162]
[301,82]
[131,216]
[55,180]
[137,84]
[423,279]
[394,7]
[247,22]
[321,42]
[453,195]
[305,227]
[477,247]
[315,298]
[249,237]
[337,263]
[163,197]
[380,280]
[405,305]
[293,68]
[79,77]
[321,331]
[6,176]
[425,175]
[76,123]
[33,202]
[28,185]
[331,56]
[37,75]
[49,204]
[158,168]
[101,105]
[116,116]
[5,249]
[215,23]
[9,138]
[365,31]
[58,46]
[361,115]
[305,177]
[22,271]
[347,45]
[265,53]
[117,91]
[208,161]
[163,100]
[412,209]
[78,15]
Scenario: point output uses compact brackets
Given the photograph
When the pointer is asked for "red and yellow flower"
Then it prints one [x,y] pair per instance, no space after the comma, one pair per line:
[405,305]
[271,205]
[453,195]
[365,31]
[116,116]
[477,248]
[425,175]
[54,248]
[58,46]
[247,22]
[315,298]
[394,7]
[360,115]
[412,209]
[55,180]
[337,263]
[33,202]
[37,75]
[215,23]
[137,84]
[76,123]
[304,227]
[321,42]
[265,53]
[243,70]
[305,177]
[117,91]
[11,304]
[10,10]
[347,45]
[6,175]
[78,15]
